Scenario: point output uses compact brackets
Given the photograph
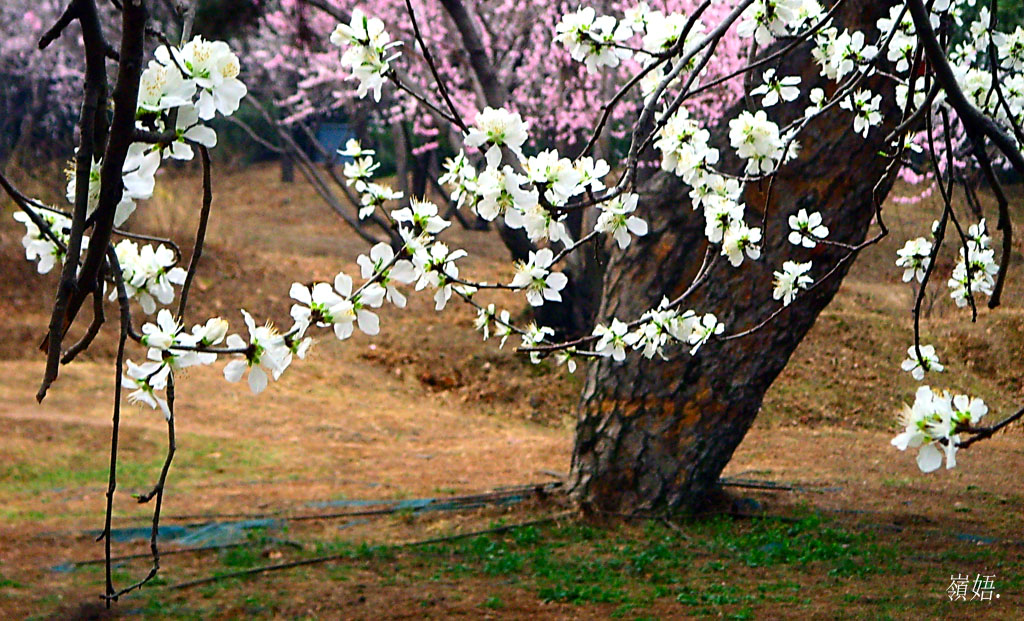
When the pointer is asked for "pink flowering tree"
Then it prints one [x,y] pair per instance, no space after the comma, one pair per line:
[39,98]
[719,261]
[515,65]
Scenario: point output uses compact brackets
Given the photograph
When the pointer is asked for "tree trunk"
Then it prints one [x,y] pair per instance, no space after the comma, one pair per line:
[655,435]
[287,169]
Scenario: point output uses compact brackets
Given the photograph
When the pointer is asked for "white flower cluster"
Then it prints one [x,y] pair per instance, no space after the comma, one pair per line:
[934,423]
[765,20]
[593,40]
[914,257]
[777,89]
[654,331]
[838,54]
[917,366]
[38,245]
[616,219]
[190,85]
[358,173]
[148,274]
[756,139]
[366,46]
[791,280]
[539,283]
[865,108]
[171,349]
[975,271]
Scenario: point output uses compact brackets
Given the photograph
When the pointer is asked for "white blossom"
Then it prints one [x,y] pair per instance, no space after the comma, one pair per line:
[593,40]
[611,340]
[928,361]
[537,280]
[791,280]
[806,229]
[777,89]
[265,357]
[914,257]
[738,239]
[497,128]
[616,219]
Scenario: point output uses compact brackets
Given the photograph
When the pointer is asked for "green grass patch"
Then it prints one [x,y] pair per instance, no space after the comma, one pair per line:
[631,567]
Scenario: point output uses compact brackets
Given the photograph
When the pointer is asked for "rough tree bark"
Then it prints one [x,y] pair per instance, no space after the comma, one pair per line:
[655,435]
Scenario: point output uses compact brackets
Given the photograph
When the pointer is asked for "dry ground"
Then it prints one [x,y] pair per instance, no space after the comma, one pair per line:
[424,411]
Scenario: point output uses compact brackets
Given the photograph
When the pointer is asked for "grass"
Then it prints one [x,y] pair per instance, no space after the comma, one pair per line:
[719,567]
[632,568]
[74,465]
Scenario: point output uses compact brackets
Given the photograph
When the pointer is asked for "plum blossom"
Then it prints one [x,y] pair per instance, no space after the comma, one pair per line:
[556,174]
[366,46]
[865,109]
[684,146]
[933,425]
[162,334]
[381,264]
[791,280]
[497,127]
[533,336]
[354,309]
[914,257]
[766,19]
[423,216]
[616,219]
[612,340]
[806,229]
[214,68]
[38,245]
[373,196]
[756,139]
[147,378]
[537,280]
[162,87]
[703,329]
[436,268]
[719,214]
[777,89]
[500,192]
[928,361]
[593,40]
[738,239]
[148,273]
[265,356]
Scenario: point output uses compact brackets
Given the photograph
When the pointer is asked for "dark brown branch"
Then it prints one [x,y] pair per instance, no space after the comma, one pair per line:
[981,433]
[975,122]
[94,328]
[204,219]
[91,128]
[69,15]
[456,117]
[116,423]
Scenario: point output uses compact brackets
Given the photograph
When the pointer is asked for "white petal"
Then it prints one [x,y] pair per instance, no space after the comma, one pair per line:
[257,380]
[369,323]
[929,458]
[300,293]
[234,370]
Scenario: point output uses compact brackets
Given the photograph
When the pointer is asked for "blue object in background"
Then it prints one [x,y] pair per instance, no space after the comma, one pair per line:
[333,136]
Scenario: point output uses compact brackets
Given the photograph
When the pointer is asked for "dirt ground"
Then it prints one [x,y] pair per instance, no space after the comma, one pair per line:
[426,412]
